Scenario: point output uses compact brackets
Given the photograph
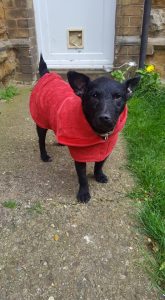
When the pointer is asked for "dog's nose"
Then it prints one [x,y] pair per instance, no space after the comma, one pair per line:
[105,118]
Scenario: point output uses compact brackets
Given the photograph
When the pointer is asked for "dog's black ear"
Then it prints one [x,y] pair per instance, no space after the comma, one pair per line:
[130,85]
[78,82]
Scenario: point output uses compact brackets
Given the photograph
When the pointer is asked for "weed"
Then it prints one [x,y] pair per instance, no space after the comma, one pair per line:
[8,93]
[124,72]
[150,79]
[36,207]
[118,75]
[10,204]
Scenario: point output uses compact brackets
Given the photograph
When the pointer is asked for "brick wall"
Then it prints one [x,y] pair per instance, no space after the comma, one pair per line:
[129,16]
[20,37]
[128,32]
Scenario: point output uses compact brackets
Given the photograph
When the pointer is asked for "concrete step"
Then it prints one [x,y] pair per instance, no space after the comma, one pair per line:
[93,74]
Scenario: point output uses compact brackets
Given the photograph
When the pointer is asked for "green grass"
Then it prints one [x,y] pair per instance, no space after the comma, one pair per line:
[145,134]
[10,204]
[8,93]
[36,207]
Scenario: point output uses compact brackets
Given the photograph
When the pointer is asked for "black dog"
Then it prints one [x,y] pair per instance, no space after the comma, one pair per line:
[100,115]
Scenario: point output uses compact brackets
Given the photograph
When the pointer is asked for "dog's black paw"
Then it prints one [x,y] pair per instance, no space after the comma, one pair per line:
[46,158]
[83,196]
[101,177]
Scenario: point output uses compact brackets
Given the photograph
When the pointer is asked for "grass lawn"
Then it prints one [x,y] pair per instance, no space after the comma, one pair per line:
[145,135]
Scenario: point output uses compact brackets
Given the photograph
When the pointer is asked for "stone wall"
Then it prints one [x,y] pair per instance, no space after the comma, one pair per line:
[18,48]
[7,55]
[156,41]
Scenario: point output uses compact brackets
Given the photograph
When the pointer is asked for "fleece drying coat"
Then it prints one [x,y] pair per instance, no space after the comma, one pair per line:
[54,105]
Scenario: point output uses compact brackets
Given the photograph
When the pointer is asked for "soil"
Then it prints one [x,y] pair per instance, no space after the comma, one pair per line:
[52,247]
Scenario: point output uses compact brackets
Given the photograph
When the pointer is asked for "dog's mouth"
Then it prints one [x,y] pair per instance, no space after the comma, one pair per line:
[104,128]
[106,134]
[104,131]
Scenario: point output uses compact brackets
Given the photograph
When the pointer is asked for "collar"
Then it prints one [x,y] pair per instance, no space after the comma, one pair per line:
[105,135]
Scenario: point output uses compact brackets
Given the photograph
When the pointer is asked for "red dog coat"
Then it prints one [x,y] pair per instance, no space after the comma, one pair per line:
[54,105]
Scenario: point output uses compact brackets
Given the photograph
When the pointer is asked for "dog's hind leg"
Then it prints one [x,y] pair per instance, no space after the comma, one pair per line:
[98,173]
[42,136]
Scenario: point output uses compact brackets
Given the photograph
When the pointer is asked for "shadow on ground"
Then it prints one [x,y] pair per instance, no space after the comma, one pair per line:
[51,246]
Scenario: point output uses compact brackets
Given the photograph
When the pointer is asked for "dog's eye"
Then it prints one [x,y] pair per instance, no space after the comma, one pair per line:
[95,95]
[118,102]
[118,99]
[117,96]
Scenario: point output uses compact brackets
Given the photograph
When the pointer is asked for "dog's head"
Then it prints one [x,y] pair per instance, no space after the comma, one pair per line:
[103,99]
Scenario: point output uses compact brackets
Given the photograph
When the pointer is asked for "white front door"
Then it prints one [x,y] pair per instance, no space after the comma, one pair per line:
[76,33]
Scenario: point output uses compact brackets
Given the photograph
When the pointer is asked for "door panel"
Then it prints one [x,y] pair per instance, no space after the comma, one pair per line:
[94,18]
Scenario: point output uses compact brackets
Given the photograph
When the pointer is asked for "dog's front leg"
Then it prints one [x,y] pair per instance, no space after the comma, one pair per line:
[98,173]
[83,193]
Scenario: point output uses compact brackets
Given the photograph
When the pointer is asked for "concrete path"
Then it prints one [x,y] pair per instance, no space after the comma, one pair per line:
[51,247]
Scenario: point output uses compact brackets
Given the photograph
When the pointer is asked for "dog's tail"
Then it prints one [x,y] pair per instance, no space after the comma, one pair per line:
[42,66]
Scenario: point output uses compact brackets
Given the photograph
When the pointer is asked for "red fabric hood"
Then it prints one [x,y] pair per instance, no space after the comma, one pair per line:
[54,105]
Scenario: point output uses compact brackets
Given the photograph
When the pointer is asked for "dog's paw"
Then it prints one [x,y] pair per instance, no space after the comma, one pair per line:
[83,196]
[46,158]
[101,177]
